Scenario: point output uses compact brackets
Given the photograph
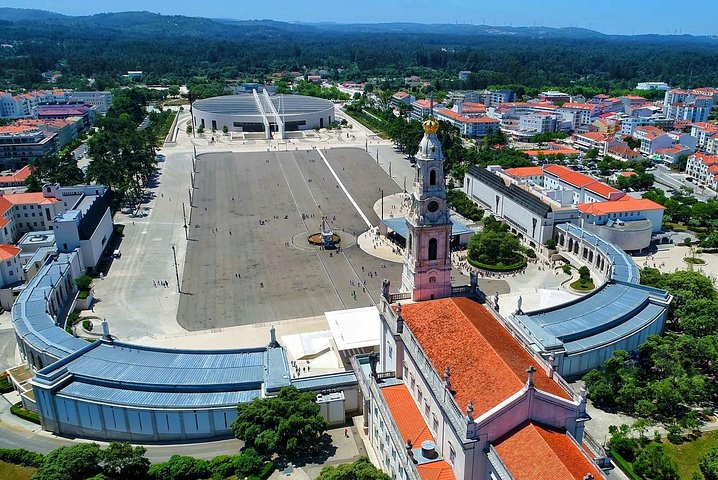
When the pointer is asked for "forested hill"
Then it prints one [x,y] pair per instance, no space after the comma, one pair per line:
[174,48]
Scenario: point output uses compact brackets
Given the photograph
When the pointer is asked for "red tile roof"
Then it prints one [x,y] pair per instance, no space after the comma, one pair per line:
[464,119]
[579,180]
[553,455]
[578,106]
[487,364]
[625,204]
[36,198]
[406,414]
[706,159]
[525,172]
[19,176]
[594,136]
[8,252]
[440,470]
[400,95]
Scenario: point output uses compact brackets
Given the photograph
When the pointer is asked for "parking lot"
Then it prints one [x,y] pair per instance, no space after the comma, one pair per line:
[248,259]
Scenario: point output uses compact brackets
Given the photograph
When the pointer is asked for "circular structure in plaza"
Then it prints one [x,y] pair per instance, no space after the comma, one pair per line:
[262,113]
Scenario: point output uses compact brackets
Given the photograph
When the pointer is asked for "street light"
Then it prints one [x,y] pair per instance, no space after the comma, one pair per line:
[174,255]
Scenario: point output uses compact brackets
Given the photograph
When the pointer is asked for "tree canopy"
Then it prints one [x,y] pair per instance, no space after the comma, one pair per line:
[288,423]
[361,469]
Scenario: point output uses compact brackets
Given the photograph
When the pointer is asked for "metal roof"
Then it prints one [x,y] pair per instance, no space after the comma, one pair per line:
[398,225]
[513,192]
[613,311]
[123,374]
[30,314]
[244,104]
[324,382]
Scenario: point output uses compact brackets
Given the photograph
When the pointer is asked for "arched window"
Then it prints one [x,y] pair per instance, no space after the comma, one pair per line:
[432,177]
[433,246]
[410,243]
[432,279]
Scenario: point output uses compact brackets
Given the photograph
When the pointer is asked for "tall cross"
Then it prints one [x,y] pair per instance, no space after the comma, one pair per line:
[431,106]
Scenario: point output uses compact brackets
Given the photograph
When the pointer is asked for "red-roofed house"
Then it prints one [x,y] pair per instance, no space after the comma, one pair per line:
[471,400]
[590,140]
[628,222]
[673,153]
[704,168]
[585,188]
[531,174]
[17,179]
[401,97]
[420,109]
[622,151]
[581,113]
[468,126]
[652,138]
[702,132]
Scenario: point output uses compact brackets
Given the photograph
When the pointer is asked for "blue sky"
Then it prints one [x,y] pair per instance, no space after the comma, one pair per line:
[608,16]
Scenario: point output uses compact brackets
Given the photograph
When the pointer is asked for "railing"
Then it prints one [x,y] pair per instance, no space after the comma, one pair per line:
[395,297]
[597,450]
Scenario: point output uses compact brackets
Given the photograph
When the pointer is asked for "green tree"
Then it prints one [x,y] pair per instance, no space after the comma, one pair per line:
[361,469]
[180,467]
[121,461]
[653,463]
[709,464]
[287,423]
[70,463]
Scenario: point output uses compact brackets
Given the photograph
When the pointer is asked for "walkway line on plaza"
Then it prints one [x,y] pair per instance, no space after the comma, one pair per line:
[346,192]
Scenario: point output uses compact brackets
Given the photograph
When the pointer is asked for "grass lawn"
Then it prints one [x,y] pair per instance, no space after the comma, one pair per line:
[583,286]
[9,471]
[687,455]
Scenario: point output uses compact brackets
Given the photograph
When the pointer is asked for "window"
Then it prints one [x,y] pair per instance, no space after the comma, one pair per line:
[432,177]
[433,247]
[9,263]
[432,279]
[452,454]
[413,382]
[435,423]
[420,395]
[389,350]
[427,409]
[11,272]
[406,371]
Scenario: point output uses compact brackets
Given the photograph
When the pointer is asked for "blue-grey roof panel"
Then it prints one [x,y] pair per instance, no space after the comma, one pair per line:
[122,396]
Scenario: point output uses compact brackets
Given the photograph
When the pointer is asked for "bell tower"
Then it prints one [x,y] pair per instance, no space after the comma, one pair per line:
[427,257]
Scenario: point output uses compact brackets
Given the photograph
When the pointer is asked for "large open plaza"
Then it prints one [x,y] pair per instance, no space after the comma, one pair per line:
[248,258]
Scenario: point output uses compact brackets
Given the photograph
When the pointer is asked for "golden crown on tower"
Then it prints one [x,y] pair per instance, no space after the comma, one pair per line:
[430,126]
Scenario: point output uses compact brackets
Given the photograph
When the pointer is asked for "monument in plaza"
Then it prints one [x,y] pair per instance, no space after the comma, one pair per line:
[325,237]
[427,256]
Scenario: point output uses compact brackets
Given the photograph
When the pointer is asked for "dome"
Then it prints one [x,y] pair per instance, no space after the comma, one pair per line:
[430,126]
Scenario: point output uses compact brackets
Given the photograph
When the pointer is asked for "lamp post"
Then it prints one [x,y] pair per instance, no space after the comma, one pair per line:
[174,255]
[382,204]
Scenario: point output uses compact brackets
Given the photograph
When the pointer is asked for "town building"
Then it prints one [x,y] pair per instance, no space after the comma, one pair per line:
[670,155]
[469,126]
[652,86]
[464,75]
[401,97]
[16,179]
[622,151]
[702,131]
[11,274]
[592,140]
[652,139]
[530,217]
[421,109]
[539,122]
[629,124]
[687,105]
[579,114]
[703,168]
[582,188]
[21,144]
[628,223]
[553,96]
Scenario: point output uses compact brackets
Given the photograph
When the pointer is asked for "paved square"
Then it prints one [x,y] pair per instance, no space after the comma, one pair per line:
[248,260]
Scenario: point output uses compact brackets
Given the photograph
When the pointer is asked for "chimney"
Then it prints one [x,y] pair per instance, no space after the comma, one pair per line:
[428,450]
[106,330]
[530,382]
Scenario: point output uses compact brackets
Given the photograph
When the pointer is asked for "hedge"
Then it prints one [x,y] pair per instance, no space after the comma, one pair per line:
[20,456]
[266,472]
[624,465]
[25,414]
[499,267]
[5,384]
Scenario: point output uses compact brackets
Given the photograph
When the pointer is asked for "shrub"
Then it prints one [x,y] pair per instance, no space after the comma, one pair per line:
[5,384]
[180,467]
[566,268]
[20,456]
[83,294]
[18,411]
[550,244]
[584,273]
[265,473]
[530,253]
[87,325]
[83,282]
